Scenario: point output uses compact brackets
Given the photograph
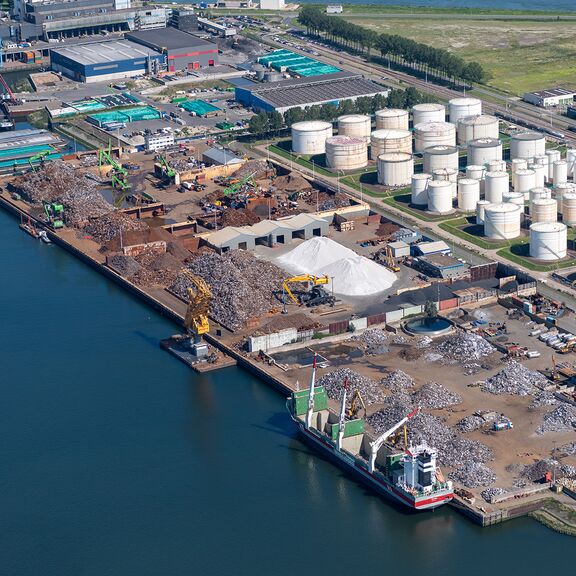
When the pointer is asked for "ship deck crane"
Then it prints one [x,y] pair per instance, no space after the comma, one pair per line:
[196,319]
[377,444]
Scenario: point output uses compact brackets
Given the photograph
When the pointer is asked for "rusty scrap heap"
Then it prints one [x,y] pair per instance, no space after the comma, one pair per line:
[111,224]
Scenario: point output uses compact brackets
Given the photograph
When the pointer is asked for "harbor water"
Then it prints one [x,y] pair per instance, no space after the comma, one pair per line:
[118,460]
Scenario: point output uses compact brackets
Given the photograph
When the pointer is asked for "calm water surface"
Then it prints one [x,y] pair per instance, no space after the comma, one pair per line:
[116,460]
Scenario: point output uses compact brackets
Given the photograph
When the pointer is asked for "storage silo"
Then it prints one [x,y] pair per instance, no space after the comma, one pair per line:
[468,194]
[539,193]
[310,137]
[428,112]
[480,208]
[462,107]
[346,152]
[539,174]
[559,172]
[483,150]
[553,156]
[384,141]
[513,198]
[259,71]
[448,174]
[571,160]
[437,157]
[439,196]
[544,210]
[496,184]
[542,160]
[527,144]
[496,166]
[548,240]
[392,119]
[569,208]
[355,126]
[395,169]
[428,134]
[502,221]
[525,179]
[561,189]
[419,188]
[475,127]
[475,172]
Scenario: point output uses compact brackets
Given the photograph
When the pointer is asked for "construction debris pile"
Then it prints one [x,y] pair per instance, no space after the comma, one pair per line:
[242,285]
[514,379]
[112,224]
[470,423]
[372,341]
[561,419]
[333,383]
[464,346]
[543,398]
[60,182]
[397,381]
[434,396]
[490,494]
[474,475]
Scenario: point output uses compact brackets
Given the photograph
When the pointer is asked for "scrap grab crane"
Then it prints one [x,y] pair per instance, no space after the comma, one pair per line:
[196,319]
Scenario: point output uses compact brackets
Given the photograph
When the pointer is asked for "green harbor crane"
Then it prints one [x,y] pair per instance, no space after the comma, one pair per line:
[40,156]
[119,173]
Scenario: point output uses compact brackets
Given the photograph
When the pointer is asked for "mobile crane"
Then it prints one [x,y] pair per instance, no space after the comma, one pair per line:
[40,156]
[119,174]
[168,170]
[55,214]
[196,319]
[314,297]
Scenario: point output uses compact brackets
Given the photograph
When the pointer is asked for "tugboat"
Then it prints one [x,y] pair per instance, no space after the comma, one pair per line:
[410,477]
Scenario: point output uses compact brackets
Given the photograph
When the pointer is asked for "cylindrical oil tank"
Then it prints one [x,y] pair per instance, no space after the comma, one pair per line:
[519,164]
[571,160]
[310,137]
[355,125]
[475,172]
[480,208]
[497,166]
[539,174]
[560,190]
[502,221]
[428,113]
[559,172]
[395,169]
[525,179]
[569,208]
[462,107]
[259,71]
[428,134]
[544,210]
[346,152]
[513,198]
[468,194]
[483,150]
[447,174]
[496,184]
[553,156]
[437,157]
[542,160]
[419,188]
[439,196]
[527,144]
[384,141]
[548,240]
[539,193]
[474,127]
[392,119]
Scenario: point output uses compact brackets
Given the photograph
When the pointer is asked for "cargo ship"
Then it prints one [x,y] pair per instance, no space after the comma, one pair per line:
[410,477]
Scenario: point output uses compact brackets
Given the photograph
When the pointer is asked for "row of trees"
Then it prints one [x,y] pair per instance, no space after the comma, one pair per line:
[397,49]
[274,121]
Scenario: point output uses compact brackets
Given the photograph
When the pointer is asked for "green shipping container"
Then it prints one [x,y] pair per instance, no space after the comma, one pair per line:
[352,428]
[301,400]
[178,100]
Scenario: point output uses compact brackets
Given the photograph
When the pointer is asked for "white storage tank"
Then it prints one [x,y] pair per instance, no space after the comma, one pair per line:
[548,240]
[419,188]
[468,194]
[392,119]
[571,160]
[384,141]
[497,166]
[475,172]
[447,174]
[553,156]
[539,193]
[428,134]
[569,208]
[527,144]
[355,125]
[502,221]
[544,210]
[542,160]
[496,184]
[395,169]
[428,113]
[514,198]
[480,208]
[525,179]
[559,172]
[439,196]
[560,190]
[483,150]
[346,152]
[475,127]
[462,107]
[310,137]
[539,174]
[437,157]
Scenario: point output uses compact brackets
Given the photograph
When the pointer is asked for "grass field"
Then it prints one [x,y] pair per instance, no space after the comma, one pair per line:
[520,55]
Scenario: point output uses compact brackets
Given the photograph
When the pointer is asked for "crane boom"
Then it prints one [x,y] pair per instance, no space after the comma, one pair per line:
[199,297]
[377,444]
[310,410]
[342,422]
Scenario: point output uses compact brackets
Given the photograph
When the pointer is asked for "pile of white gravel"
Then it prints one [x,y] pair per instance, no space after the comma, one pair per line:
[353,275]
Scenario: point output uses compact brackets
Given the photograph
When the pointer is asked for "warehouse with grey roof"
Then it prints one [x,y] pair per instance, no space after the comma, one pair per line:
[302,92]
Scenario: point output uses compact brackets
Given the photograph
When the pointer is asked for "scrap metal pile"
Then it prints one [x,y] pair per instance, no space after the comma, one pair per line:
[258,169]
[561,419]
[110,225]
[474,475]
[397,381]
[156,269]
[242,285]
[568,449]
[470,423]
[490,494]
[514,379]
[463,347]
[239,217]
[333,383]
[124,265]
[433,396]
[372,341]
[543,398]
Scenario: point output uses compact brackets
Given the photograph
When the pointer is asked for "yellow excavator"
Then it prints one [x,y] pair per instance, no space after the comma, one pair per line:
[314,297]
[196,319]
[356,403]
